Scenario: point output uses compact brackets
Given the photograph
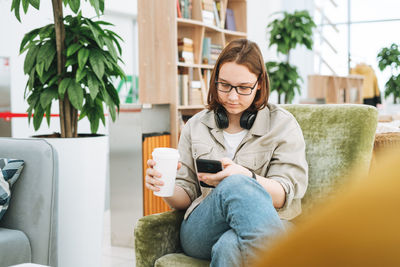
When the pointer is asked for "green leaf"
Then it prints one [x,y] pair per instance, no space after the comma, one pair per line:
[28,38]
[62,88]
[73,48]
[74,5]
[46,75]
[40,68]
[95,33]
[96,61]
[44,51]
[96,5]
[111,48]
[30,59]
[94,122]
[100,111]
[53,80]
[47,96]
[15,6]
[31,80]
[29,110]
[75,95]
[80,74]
[25,5]
[47,32]
[35,3]
[50,57]
[70,62]
[38,117]
[48,114]
[93,85]
[83,55]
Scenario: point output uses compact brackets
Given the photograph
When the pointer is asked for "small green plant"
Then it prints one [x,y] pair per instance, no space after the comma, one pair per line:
[389,57]
[73,61]
[287,33]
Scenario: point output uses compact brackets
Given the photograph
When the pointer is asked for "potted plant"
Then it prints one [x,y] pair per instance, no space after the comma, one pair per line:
[389,57]
[73,61]
[287,33]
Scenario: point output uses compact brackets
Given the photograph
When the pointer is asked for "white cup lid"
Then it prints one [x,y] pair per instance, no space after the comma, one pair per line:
[165,152]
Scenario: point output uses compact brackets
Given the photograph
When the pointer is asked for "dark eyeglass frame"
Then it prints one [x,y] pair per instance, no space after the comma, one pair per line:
[236,87]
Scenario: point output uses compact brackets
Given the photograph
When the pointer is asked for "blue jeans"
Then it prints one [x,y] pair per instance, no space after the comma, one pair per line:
[231,224]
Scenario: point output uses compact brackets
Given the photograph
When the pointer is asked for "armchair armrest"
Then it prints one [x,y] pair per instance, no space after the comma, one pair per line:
[33,207]
[157,235]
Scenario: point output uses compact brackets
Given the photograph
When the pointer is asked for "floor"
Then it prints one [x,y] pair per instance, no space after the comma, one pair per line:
[115,256]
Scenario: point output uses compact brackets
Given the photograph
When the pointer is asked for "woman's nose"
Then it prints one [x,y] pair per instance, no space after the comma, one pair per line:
[233,95]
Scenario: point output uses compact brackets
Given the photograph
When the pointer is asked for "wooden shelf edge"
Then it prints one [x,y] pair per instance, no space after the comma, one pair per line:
[192,22]
[243,34]
[201,66]
[191,107]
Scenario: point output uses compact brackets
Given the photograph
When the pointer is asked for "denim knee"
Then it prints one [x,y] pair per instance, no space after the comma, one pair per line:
[242,185]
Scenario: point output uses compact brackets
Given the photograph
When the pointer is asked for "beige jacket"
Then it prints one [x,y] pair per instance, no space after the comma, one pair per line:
[273,148]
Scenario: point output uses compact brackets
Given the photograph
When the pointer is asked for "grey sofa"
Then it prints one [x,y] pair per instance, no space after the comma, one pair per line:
[28,230]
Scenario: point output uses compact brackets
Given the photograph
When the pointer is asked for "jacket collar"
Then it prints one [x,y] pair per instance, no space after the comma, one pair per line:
[260,126]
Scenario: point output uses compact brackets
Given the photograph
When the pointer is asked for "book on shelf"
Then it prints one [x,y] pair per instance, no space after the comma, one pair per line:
[178,9]
[230,23]
[208,17]
[206,52]
[216,15]
[185,50]
[183,88]
[185,8]
[195,95]
[207,12]
[215,50]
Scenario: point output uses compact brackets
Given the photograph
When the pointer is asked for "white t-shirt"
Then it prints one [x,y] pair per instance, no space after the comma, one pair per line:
[232,142]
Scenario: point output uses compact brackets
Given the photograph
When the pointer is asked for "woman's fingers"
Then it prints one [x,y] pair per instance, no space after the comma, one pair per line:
[152,188]
[151,163]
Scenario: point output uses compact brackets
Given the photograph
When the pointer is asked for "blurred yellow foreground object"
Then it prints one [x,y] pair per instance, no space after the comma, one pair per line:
[359,228]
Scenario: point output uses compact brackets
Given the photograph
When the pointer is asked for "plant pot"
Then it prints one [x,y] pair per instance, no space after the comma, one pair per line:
[82,179]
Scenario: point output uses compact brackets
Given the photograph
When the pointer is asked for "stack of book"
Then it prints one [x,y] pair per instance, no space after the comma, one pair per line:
[210,52]
[185,50]
[184,9]
[207,11]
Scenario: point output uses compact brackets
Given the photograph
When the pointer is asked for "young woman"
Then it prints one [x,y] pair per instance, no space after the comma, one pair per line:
[262,151]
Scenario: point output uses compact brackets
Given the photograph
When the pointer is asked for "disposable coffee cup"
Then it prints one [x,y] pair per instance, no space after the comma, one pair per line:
[166,163]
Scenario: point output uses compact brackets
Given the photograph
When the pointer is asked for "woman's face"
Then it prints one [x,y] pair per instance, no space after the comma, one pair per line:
[233,74]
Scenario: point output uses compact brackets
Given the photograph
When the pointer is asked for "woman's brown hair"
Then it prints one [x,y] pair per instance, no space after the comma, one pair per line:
[247,53]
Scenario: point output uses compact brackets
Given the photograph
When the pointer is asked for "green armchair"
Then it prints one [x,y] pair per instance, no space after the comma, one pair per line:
[338,138]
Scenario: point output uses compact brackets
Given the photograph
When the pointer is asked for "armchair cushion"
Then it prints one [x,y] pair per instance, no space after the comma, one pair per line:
[15,247]
[157,235]
[10,170]
[180,259]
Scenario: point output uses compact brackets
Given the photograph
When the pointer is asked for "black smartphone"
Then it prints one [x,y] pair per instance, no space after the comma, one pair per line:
[208,166]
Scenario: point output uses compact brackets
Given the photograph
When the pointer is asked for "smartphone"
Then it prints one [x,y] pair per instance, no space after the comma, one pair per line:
[208,166]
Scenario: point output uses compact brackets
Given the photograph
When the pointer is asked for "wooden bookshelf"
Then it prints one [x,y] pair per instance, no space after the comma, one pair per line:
[159,30]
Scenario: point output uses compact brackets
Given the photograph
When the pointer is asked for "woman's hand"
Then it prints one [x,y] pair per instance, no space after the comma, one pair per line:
[230,168]
[152,179]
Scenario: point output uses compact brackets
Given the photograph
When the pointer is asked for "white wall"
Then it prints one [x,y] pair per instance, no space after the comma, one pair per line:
[121,13]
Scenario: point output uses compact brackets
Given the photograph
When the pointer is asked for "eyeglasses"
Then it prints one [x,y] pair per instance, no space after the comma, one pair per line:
[241,90]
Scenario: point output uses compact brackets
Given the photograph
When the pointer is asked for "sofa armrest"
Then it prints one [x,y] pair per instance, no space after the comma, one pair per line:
[33,204]
[157,235]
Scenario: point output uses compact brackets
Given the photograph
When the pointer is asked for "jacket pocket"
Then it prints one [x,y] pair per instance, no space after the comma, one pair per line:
[201,150]
[254,160]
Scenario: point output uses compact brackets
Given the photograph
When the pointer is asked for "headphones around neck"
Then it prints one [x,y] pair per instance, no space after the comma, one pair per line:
[246,120]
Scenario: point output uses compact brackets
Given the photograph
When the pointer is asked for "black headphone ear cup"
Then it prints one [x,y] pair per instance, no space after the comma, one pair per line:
[247,119]
[221,119]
